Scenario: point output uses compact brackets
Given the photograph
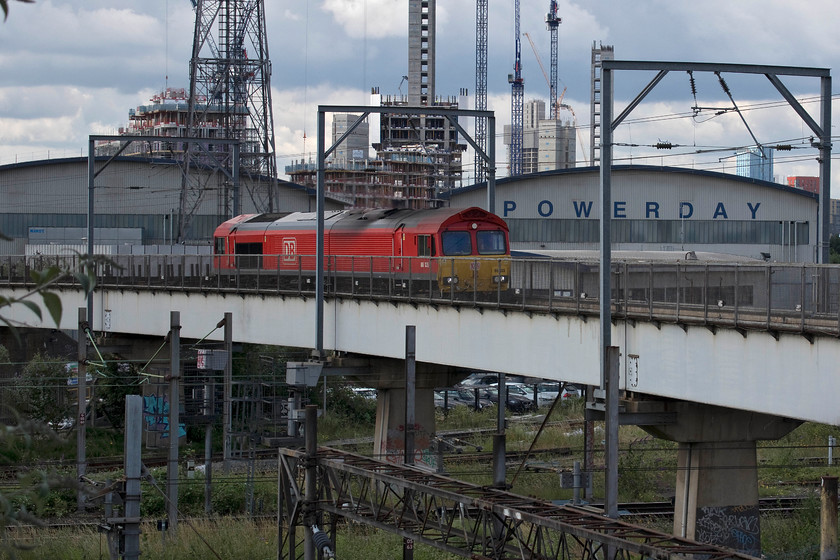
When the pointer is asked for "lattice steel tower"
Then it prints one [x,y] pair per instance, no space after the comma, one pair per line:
[230,97]
[481,20]
[517,100]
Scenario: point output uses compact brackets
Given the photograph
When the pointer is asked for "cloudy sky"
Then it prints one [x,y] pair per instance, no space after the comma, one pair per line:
[72,68]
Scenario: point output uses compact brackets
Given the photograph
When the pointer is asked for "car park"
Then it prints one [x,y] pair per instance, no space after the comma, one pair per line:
[548,391]
[451,398]
[517,398]
[485,379]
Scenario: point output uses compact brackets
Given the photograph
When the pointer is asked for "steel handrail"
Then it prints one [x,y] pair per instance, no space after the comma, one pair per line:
[800,298]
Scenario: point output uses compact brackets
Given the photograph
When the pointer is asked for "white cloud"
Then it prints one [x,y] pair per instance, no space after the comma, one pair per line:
[373,19]
[75,68]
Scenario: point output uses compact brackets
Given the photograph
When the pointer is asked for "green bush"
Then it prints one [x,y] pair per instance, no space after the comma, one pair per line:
[229,497]
[341,400]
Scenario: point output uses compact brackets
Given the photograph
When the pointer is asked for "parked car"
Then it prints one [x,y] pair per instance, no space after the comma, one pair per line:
[517,398]
[485,379]
[480,380]
[547,393]
[572,392]
[460,397]
[364,392]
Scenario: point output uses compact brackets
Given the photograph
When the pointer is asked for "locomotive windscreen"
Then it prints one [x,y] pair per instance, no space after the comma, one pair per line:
[490,242]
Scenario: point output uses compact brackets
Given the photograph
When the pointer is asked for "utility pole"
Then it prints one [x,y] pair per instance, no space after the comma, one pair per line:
[310,483]
[210,417]
[499,443]
[81,391]
[133,467]
[481,23]
[174,418]
[226,391]
[828,518]
[410,418]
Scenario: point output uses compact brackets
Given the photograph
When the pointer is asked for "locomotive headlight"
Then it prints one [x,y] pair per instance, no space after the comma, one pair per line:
[450,280]
[500,279]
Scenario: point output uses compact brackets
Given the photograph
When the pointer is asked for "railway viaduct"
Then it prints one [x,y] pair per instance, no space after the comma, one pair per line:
[715,390]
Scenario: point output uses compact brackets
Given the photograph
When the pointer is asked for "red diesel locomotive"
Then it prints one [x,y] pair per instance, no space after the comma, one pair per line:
[446,249]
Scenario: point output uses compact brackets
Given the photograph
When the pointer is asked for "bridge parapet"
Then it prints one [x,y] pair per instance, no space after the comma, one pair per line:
[772,297]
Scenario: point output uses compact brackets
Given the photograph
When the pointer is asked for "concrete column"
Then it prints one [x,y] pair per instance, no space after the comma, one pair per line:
[389,377]
[389,438]
[717,495]
[716,498]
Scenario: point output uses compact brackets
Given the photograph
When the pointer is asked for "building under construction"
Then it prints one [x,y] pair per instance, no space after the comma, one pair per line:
[401,181]
[166,114]
[417,157]
[547,144]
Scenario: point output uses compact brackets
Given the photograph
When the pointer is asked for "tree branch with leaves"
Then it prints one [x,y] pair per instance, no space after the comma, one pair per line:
[4,5]
[45,281]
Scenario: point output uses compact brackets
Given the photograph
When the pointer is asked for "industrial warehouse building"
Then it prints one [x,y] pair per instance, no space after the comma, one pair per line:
[654,209]
[136,202]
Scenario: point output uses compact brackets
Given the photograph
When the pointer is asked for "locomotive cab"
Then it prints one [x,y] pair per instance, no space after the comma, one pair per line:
[474,256]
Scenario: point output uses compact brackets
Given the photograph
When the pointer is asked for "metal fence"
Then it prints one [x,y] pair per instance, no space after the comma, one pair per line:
[802,298]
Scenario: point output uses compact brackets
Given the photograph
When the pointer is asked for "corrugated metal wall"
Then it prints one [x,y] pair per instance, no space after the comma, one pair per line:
[139,194]
[657,209]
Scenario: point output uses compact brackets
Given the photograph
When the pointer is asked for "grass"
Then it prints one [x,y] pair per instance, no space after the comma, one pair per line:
[202,540]
[647,470]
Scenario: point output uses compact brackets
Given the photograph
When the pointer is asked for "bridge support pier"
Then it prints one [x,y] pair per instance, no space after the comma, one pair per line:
[389,380]
[389,437]
[716,499]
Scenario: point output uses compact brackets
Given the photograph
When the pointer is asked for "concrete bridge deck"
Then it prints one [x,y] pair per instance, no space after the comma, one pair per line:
[761,338]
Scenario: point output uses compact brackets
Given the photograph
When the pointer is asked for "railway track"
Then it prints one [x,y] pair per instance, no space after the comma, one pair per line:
[629,510]
[781,504]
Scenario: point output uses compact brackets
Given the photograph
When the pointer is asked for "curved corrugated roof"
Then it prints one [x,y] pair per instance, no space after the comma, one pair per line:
[619,169]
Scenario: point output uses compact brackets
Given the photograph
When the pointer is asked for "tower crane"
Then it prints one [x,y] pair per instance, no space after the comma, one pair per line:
[555,103]
[558,103]
[517,101]
[481,86]
[553,22]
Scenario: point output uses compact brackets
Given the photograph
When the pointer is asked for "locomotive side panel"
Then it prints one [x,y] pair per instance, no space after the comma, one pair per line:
[446,248]
[295,249]
[363,250]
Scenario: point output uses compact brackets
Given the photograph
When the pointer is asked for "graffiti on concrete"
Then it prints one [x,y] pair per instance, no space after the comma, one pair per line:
[156,415]
[732,526]
[394,447]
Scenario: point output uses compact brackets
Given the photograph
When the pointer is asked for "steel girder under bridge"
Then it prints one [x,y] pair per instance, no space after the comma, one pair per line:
[472,521]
